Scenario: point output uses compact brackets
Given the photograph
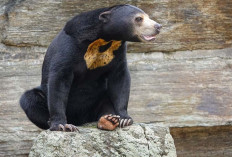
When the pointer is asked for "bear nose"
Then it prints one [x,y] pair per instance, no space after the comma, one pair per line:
[158,26]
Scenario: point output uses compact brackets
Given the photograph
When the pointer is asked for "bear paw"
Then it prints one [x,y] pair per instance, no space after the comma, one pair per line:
[108,122]
[125,122]
[65,127]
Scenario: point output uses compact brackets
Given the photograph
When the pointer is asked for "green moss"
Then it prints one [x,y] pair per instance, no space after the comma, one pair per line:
[90,125]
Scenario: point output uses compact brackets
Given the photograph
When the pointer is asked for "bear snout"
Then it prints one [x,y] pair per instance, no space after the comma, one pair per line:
[157,28]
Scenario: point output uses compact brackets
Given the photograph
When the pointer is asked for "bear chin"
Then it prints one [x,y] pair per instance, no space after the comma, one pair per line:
[148,38]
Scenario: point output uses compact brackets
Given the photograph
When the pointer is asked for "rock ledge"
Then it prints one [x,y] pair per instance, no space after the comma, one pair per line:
[143,140]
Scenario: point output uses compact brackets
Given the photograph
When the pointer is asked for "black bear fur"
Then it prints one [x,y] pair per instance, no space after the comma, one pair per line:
[69,91]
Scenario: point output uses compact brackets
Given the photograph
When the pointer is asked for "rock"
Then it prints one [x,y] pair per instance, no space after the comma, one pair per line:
[181,89]
[187,88]
[143,140]
[187,25]
[214,141]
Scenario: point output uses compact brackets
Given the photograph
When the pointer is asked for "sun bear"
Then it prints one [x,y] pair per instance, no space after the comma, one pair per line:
[85,77]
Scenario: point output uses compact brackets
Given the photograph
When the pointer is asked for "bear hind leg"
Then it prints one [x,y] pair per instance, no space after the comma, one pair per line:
[34,104]
[108,120]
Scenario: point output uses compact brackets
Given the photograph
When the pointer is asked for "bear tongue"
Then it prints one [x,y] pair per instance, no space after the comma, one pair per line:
[147,37]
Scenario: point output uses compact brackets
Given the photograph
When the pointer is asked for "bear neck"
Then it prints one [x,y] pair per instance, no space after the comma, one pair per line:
[85,26]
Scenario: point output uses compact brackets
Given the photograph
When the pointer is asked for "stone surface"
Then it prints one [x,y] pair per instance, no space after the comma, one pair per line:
[189,88]
[187,25]
[215,141]
[143,140]
[181,89]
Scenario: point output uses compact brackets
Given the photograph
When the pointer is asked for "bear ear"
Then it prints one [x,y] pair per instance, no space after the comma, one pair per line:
[105,16]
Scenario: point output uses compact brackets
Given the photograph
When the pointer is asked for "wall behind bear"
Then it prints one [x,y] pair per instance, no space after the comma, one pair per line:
[187,25]
[185,79]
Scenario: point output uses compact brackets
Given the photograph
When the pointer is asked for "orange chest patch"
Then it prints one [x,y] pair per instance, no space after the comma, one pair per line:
[94,58]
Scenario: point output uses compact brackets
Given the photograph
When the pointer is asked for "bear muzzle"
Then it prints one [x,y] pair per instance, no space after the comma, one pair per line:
[156,31]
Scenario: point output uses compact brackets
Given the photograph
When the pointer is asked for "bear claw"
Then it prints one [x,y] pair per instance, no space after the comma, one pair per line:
[67,128]
[61,127]
[125,122]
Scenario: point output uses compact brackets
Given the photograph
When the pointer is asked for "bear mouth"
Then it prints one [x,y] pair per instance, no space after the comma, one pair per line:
[149,37]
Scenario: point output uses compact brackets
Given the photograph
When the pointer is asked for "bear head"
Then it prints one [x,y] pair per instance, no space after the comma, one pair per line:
[128,23]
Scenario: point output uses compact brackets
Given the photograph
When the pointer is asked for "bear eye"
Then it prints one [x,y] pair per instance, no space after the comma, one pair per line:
[138,19]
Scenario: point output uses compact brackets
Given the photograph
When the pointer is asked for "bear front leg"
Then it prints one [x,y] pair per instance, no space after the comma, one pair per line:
[58,89]
[119,90]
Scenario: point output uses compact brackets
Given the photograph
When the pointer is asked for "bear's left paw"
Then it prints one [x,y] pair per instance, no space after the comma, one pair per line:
[125,122]
[108,122]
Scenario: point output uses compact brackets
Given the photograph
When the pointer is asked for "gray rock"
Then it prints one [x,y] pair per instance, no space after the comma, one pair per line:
[138,140]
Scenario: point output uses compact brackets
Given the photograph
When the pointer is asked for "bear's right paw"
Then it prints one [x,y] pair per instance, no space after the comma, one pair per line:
[125,122]
[65,127]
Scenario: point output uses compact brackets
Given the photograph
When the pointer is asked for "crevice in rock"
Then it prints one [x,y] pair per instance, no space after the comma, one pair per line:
[171,51]
[144,132]
[10,44]
[8,7]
